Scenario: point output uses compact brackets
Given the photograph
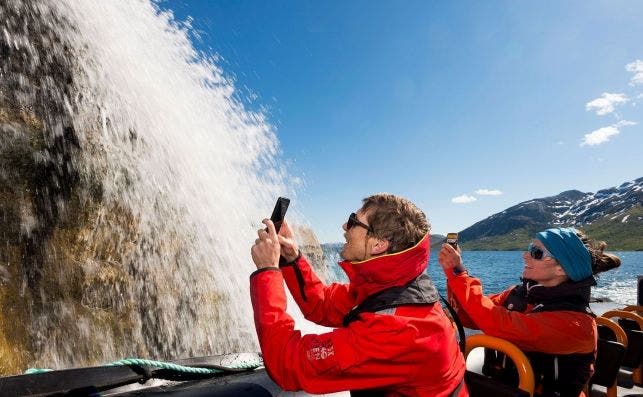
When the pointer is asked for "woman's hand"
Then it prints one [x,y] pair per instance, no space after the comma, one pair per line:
[450,258]
[289,248]
[265,251]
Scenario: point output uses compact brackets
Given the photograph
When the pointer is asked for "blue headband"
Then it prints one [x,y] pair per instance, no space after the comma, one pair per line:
[569,251]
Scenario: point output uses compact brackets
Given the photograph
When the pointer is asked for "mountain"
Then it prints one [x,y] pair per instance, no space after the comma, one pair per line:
[614,215]
[436,242]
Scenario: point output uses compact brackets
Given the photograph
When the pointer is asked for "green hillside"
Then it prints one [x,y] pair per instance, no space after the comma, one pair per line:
[620,236]
[516,240]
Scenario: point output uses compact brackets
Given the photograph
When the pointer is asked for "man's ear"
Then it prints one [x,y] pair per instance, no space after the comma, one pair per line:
[380,247]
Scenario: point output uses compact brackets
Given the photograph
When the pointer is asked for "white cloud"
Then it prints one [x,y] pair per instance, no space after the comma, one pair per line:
[635,67]
[487,192]
[464,199]
[599,136]
[606,103]
[604,134]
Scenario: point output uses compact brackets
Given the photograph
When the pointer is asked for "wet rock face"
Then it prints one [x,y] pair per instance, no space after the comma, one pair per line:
[49,210]
[67,294]
[38,141]
[37,174]
[311,249]
[48,217]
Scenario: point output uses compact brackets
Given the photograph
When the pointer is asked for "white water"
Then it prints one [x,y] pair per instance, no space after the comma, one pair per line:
[622,292]
[204,170]
[158,122]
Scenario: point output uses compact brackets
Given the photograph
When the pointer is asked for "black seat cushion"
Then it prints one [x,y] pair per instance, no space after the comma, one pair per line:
[609,358]
[482,386]
[634,351]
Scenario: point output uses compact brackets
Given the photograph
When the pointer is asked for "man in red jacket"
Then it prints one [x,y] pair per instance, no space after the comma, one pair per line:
[391,336]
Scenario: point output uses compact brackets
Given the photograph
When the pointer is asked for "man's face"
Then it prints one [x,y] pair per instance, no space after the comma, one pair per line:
[358,244]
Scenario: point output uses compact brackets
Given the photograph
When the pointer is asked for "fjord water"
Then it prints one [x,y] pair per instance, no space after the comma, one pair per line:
[161,140]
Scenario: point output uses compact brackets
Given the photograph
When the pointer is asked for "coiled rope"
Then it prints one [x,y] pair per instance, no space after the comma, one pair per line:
[242,365]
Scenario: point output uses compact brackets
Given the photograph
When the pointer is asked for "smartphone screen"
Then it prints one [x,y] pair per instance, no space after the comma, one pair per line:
[278,214]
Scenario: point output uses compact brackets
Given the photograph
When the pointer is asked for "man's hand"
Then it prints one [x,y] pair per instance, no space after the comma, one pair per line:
[289,248]
[265,251]
[449,257]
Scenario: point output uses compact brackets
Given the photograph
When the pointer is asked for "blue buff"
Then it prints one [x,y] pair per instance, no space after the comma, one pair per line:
[569,251]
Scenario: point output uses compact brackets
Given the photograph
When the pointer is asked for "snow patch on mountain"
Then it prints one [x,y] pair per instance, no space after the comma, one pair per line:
[592,206]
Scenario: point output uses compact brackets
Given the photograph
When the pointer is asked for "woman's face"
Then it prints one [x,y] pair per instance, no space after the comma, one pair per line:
[545,271]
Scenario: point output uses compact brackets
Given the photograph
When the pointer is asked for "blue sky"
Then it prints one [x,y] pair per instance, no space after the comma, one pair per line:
[436,101]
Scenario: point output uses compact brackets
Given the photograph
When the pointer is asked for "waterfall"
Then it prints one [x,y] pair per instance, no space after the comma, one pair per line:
[133,181]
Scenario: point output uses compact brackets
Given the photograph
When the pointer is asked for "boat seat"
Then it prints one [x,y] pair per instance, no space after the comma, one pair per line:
[609,357]
[610,351]
[634,308]
[634,351]
[480,385]
[633,322]
[607,333]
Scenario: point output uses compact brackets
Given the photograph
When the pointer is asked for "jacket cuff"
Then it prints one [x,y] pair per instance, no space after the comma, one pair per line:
[457,272]
[263,269]
[283,262]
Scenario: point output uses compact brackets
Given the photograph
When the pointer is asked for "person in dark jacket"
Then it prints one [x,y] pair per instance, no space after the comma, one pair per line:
[391,336]
[548,315]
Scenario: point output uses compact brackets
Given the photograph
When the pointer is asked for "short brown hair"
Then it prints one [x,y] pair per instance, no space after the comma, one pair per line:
[395,219]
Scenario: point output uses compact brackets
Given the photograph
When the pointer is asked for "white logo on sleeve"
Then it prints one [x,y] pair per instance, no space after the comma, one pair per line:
[320,350]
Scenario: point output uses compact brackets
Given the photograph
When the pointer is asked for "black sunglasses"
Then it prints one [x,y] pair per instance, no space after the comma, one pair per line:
[353,221]
[538,253]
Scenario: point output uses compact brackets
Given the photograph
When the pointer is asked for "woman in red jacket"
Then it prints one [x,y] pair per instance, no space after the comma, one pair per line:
[548,316]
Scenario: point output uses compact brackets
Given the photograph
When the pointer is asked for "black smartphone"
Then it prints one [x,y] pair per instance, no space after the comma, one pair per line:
[278,214]
[452,239]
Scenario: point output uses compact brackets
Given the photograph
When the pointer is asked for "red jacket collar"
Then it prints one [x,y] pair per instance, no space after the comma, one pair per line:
[386,271]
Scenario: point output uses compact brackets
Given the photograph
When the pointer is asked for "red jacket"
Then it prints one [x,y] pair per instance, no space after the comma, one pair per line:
[412,352]
[554,332]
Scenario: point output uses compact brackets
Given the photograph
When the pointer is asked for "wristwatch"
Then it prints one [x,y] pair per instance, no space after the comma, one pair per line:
[459,269]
